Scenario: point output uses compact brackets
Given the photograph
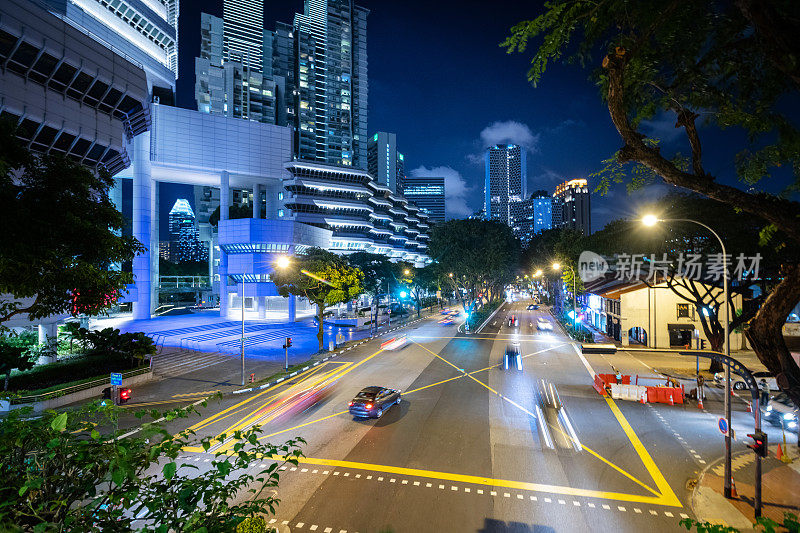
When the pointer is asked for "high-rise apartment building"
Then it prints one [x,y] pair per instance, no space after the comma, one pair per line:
[331,83]
[531,216]
[244,32]
[572,206]
[311,75]
[427,193]
[384,162]
[231,87]
[506,181]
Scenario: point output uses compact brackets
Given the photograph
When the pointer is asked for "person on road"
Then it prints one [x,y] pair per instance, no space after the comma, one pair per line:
[764,393]
[619,377]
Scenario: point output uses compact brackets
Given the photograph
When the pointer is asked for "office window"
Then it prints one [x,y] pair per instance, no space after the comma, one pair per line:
[280,196]
[280,212]
[684,311]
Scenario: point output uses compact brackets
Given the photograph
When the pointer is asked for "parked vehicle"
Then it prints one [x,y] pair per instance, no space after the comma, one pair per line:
[737,382]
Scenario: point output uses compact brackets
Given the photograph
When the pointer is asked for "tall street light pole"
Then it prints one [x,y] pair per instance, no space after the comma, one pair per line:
[557,266]
[652,220]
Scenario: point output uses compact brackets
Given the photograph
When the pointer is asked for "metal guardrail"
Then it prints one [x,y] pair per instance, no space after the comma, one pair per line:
[74,388]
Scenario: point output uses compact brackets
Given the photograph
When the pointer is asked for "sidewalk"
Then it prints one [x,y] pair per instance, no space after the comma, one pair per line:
[780,490]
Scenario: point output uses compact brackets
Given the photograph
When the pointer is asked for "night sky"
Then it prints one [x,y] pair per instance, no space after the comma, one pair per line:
[438,79]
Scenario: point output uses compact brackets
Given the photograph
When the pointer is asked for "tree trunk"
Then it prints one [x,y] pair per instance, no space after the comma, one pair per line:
[8,377]
[320,311]
[765,332]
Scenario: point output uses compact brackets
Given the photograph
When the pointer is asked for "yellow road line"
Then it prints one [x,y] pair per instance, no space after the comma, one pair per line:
[201,393]
[214,417]
[649,464]
[518,406]
[303,425]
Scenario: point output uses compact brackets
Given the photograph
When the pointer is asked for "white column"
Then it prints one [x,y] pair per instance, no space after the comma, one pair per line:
[142,200]
[48,332]
[256,200]
[261,305]
[292,308]
[224,205]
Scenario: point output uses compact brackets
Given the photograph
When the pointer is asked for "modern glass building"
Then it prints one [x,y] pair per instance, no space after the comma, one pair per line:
[506,181]
[427,193]
[531,216]
[384,162]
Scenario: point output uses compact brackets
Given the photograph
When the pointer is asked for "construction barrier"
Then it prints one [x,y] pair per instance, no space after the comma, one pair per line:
[599,385]
[612,378]
[669,395]
[627,392]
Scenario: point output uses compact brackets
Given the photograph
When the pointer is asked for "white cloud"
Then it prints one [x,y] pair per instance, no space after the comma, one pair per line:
[509,131]
[455,189]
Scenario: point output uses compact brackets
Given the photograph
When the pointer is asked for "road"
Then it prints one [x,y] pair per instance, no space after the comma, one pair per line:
[474,447]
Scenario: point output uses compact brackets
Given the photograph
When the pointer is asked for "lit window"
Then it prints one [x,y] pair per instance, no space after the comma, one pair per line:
[280,196]
[280,212]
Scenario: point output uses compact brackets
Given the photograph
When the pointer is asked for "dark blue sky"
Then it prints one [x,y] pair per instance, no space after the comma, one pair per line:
[438,79]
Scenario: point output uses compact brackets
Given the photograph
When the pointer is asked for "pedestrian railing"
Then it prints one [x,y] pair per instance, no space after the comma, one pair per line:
[20,400]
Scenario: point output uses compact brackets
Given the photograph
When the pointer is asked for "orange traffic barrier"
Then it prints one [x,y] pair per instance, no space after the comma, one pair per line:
[779,455]
[599,385]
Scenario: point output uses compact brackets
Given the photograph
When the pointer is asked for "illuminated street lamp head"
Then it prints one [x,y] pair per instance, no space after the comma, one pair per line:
[406,272]
[451,274]
[538,273]
[556,266]
[650,220]
[282,261]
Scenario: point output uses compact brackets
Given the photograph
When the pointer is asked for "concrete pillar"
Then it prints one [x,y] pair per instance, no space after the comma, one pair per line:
[224,205]
[261,305]
[48,332]
[292,308]
[142,217]
[257,201]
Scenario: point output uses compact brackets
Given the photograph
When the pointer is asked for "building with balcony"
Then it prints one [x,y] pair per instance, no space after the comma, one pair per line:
[428,194]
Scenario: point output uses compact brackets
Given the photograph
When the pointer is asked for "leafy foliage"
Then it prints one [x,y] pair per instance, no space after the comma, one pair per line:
[482,256]
[15,353]
[323,278]
[67,472]
[58,260]
[235,211]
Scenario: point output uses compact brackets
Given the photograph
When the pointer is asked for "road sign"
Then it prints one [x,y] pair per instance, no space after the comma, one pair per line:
[723,426]
[116,378]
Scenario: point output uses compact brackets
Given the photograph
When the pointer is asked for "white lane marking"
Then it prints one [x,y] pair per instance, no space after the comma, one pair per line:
[621,508]
[562,502]
[453,487]
[668,514]
[299,525]
[405,482]
[548,500]
[591,505]
[336,473]
[416,483]
[314,527]
[480,491]
[583,359]
[654,513]
[441,487]
[637,510]
[429,485]
[466,489]
[606,507]
[493,493]
[576,504]
[684,515]
[519,496]
[346,474]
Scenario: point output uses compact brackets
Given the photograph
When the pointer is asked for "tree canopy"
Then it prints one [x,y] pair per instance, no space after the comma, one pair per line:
[731,65]
[321,277]
[60,235]
[482,255]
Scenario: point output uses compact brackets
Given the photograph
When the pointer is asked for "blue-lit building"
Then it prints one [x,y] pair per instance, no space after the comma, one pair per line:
[427,193]
[505,181]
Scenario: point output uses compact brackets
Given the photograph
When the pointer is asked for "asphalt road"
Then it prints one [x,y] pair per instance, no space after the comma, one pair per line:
[474,447]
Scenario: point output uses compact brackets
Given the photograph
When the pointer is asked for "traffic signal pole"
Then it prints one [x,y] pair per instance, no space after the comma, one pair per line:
[757,502]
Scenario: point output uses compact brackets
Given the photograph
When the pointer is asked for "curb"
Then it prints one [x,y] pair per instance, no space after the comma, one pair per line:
[336,354]
[702,516]
[490,317]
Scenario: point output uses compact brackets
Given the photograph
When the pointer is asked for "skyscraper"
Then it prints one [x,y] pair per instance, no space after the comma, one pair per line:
[572,206]
[184,234]
[506,181]
[427,193]
[531,216]
[311,75]
[384,162]
[331,85]
[244,32]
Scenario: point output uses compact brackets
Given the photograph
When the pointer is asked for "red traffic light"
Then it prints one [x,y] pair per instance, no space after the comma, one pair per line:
[759,445]
[124,395]
[288,342]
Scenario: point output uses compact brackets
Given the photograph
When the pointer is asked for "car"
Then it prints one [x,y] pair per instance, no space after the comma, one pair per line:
[373,401]
[512,357]
[533,307]
[781,411]
[542,324]
[737,382]
[513,321]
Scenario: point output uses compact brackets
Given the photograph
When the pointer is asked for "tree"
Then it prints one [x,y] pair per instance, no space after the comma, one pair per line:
[378,273]
[562,246]
[734,64]
[482,255]
[15,353]
[60,235]
[419,281]
[323,278]
[76,471]
[110,343]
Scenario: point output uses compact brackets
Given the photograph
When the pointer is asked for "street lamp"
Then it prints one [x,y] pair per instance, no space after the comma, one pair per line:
[557,266]
[282,262]
[406,272]
[652,220]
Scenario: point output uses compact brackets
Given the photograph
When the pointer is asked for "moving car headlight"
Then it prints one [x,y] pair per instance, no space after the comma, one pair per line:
[768,409]
[788,416]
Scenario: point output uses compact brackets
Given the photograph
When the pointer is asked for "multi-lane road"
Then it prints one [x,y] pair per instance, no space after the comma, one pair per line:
[473,446]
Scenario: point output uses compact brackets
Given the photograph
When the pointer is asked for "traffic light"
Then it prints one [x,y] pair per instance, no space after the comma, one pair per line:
[288,342]
[124,395]
[759,445]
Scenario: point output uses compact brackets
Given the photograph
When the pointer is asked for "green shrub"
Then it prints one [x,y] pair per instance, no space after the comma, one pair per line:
[479,316]
[74,369]
[252,524]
